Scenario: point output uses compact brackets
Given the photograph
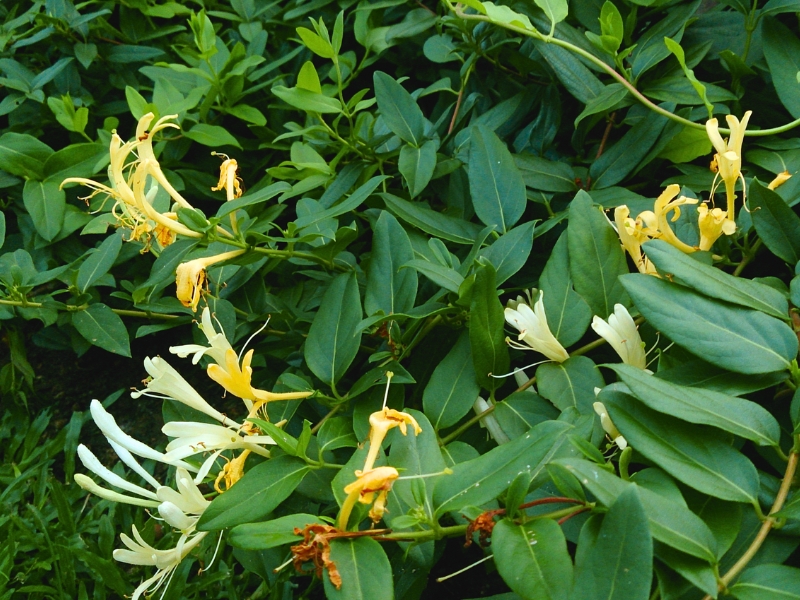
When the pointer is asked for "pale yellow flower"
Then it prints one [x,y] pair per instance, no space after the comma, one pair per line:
[533,329]
[621,332]
[713,223]
[632,236]
[191,275]
[779,180]
[729,155]
[657,221]
[609,427]
[380,424]
[377,481]
[229,179]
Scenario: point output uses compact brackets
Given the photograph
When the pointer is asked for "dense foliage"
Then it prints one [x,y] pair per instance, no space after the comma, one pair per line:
[416,239]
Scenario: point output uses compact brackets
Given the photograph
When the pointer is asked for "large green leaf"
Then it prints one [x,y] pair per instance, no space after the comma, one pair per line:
[741,340]
[477,481]
[696,405]
[414,454]
[618,564]
[782,51]
[332,342]
[452,389]
[509,253]
[670,522]
[399,110]
[486,329]
[681,268]
[102,327]
[76,160]
[307,101]
[768,582]
[255,495]
[46,205]
[389,288]
[364,570]
[596,259]
[99,261]
[568,315]
[776,224]
[269,534]
[495,183]
[431,222]
[533,559]
[546,175]
[576,77]
[416,165]
[212,135]
[23,155]
[694,454]
[570,383]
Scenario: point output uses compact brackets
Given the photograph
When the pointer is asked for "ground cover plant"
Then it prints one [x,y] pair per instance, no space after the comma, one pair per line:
[429,299]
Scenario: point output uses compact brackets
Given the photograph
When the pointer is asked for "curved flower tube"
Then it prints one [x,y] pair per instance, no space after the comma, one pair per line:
[534,330]
[621,333]
[729,156]
[363,489]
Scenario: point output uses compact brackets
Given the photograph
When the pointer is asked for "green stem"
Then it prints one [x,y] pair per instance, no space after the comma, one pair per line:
[611,71]
[428,534]
[286,254]
[141,314]
[747,258]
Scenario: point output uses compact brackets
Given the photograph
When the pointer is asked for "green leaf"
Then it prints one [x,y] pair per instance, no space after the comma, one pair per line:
[416,454]
[670,522]
[99,262]
[416,165]
[76,160]
[690,143]
[352,202]
[255,495]
[475,482]
[211,135]
[775,222]
[336,433]
[100,326]
[431,222]
[23,155]
[332,343]
[308,101]
[2,229]
[705,407]
[254,198]
[618,161]
[579,80]
[533,559]
[650,48]
[486,329]
[568,315]
[556,11]
[389,288]
[511,251]
[364,569]
[570,383]
[448,278]
[740,340]
[596,259]
[693,454]
[619,564]
[522,410]
[495,183]
[545,175]
[768,582]
[676,49]
[270,534]
[315,43]
[46,204]
[683,269]
[399,109]
[452,389]
[782,51]
[610,96]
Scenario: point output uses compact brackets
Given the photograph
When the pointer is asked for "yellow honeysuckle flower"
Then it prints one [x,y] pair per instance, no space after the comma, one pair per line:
[632,236]
[229,179]
[779,180]
[729,155]
[190,277]
[363,489]
[380,424]
[609,427]
[231,472]
[713,223]
[657,221]
[621,332]
[533,329]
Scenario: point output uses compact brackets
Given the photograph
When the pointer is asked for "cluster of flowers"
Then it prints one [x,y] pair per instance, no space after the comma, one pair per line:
[182,509]
[133,195]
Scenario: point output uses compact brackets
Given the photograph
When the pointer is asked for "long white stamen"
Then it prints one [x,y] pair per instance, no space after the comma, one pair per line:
[465,569]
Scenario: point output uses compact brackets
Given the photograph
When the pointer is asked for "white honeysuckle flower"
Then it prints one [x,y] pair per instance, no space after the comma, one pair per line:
[193,438]
[621,332]
[175,517]
[490,422]
[609,427]
[218,343]
[127,458]
[108,426]
[534,330]
[188,497]
[140,552]
[167,383]
[91,462]
[89,484]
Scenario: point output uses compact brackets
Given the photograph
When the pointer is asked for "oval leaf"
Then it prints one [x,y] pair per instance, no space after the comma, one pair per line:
[100,326]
